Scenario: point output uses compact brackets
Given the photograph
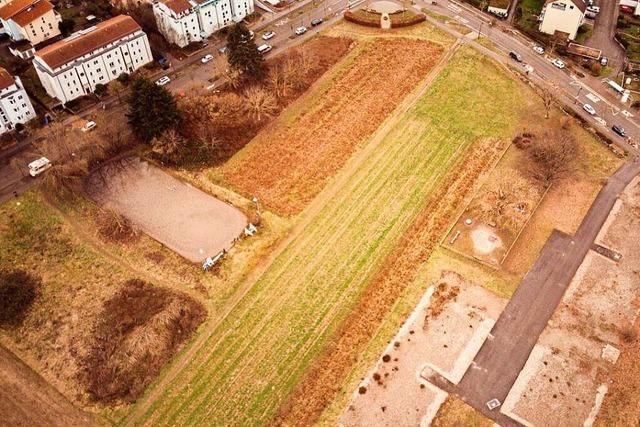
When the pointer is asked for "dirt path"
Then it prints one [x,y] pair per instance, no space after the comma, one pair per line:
[306,218]
[26,399]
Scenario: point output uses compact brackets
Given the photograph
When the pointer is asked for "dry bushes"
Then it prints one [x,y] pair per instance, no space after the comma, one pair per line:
[113,227]
[443,294]
[320,383]
[226,122]
[140,329]
[288,164]
[362,17]
[18,290]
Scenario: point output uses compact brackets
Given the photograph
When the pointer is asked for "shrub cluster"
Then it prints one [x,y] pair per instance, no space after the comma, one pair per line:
[361,19]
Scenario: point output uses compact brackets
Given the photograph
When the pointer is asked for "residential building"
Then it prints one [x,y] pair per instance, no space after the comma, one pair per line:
[563,16]
[31,20]
[187,21]
[72,67]
[500,8]
[15,106]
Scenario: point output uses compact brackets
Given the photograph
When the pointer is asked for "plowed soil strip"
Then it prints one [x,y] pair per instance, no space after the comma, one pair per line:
[323,379]
[289,162]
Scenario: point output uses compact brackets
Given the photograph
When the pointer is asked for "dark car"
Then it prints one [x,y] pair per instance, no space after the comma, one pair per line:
[619,130]
[316,22]
[515,56]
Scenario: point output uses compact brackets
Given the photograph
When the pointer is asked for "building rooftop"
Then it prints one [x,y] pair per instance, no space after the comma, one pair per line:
[86,41]
[23,12]
[177,6]
[578,3]
[6,79]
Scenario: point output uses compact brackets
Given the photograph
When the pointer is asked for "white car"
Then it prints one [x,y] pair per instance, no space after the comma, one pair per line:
[558,63]
[268,35]
[163,81]
[538,49]
[593,9]
[206,58]
[301,30]
[264,48]
[589,109]
[38,166]
[88,126]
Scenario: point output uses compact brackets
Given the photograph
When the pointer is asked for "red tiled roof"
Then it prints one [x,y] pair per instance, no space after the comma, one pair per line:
[6,79]
[72,48]
[32,13]
[178,6]
[24,10]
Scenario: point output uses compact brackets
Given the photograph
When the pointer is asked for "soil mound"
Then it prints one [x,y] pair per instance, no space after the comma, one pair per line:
[141,328]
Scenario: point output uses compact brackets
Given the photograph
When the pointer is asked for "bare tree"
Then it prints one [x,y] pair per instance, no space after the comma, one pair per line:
[168,146]
[260,104]
[547,99]
[552,156]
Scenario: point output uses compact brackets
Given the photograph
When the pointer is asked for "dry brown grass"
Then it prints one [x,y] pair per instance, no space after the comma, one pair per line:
[288,163]
[321,382]
[455,413]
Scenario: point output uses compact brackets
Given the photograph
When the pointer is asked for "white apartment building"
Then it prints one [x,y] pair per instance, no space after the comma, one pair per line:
[15,106]
[186,21]
[72,67]
[562,15]
[31,20]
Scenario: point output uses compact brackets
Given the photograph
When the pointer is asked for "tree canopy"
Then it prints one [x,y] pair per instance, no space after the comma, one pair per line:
[243,53]
[152,109]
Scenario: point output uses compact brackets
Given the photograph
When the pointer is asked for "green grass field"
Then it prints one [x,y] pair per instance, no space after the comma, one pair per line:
[254,358]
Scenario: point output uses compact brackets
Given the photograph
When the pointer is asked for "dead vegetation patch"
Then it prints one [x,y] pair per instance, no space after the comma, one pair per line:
[140,329]
[326,374]
[288,163]
[443,294]
[113,227]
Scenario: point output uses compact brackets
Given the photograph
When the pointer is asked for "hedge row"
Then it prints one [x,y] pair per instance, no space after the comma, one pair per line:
[361,20]
[398,22]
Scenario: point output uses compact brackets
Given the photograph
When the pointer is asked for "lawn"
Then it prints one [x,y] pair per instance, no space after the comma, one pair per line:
[527,14]
[254,358]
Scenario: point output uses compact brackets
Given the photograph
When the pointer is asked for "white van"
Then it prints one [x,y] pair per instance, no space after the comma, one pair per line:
[38,166]
[264,48]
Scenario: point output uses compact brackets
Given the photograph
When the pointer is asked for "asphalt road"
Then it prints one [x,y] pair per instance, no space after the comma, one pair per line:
[603,32]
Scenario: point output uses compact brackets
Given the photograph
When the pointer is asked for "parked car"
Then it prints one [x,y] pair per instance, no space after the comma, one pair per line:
[206,58]
[558,63]
[604,61]
[301,30]
[593,9]
[589,109]
[268,35]
[264,48]
[316,22]
[251,36]
[619,130]
[90,125]
[163,81]
[39,166]
[164,62]
[515,56]
[538,49]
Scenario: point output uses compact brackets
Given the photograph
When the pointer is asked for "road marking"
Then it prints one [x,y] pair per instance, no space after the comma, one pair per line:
[626,113]
[454,8]
[592,98]
[461,19]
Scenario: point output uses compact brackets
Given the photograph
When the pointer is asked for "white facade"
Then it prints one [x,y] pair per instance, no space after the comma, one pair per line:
[15,106]
[562,15]
[187,21]
[98,64]
[31,20]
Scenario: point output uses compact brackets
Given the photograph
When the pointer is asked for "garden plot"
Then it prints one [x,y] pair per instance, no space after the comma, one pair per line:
[491,223]
[176,214]
[567,375]
[443,334]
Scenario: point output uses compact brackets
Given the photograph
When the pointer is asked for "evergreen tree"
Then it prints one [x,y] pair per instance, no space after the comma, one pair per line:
[152,110]
[243,53]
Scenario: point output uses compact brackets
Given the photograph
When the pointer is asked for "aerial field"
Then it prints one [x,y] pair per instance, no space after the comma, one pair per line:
[289,162]
[251,361]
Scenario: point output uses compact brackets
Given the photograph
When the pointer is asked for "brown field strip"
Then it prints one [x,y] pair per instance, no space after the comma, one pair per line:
[322,381]
[290,161]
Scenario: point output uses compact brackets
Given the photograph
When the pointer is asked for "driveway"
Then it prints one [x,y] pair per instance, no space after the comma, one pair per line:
[604,31]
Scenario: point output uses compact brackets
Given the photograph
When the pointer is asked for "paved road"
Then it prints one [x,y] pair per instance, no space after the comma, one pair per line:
[504,354]
[603,32]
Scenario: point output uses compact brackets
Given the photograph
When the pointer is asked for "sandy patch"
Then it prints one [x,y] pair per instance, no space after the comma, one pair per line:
[443,333]
[484,240]
[178,215]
